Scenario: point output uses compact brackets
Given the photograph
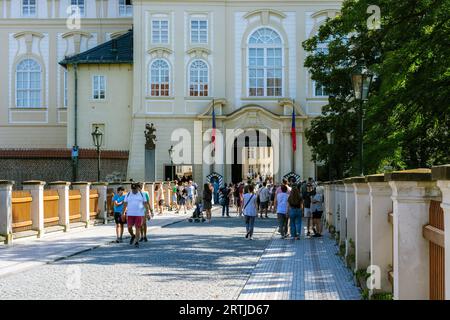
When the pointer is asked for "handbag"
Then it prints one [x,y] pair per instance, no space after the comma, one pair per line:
[124,217]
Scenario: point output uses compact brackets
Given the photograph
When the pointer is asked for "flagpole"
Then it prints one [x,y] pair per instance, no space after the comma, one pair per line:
[214,143]
[292,138]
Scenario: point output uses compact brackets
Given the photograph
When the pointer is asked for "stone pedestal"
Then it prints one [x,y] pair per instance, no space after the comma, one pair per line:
[150,165]
[380,230]
[442,175]
[36,189]
[84,191]
[6,210]
[362,223]
[102,188]
[350,216]
[412,191]
[62,187]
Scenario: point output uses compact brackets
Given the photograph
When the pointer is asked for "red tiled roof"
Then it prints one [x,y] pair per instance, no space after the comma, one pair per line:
[61,153]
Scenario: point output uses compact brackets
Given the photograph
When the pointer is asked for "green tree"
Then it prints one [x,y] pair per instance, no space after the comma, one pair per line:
[407,117]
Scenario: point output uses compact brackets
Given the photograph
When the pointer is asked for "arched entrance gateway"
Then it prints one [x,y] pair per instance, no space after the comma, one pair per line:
[256,142]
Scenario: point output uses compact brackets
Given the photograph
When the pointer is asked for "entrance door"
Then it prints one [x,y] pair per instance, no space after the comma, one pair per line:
[252,156]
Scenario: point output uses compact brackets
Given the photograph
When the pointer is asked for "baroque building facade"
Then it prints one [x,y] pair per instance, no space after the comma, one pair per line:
[242,59]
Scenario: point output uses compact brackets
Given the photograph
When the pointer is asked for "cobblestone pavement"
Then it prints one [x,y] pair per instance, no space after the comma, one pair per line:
[182,261]
[308,269]
[192,261]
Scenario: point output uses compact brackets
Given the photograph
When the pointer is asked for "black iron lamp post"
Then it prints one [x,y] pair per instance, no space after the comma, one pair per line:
[171,162]
[361,80]
[97,137]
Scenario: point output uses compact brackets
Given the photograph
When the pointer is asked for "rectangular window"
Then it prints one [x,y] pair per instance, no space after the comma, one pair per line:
[79,4]
[125,8]
[319,90]
[199,31]
[160,31]
[65,89]
[265,72]
[28,8]
[98,87]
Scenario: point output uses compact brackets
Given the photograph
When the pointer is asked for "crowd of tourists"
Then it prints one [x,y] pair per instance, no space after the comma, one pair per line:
[290,201]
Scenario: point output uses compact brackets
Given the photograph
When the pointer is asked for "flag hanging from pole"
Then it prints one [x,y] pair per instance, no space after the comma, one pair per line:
[213,137]
[293,134]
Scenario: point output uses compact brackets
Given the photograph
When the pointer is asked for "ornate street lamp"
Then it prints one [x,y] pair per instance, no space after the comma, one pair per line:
[97,138]
[361,80]
[171,162]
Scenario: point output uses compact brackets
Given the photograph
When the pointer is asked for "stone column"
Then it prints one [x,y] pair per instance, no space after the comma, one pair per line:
[62,187]
[337,205]
[84,191]
[331,200]
[442,175]
[412,191]
[102,188]
[362,223]
[6,210]
[326,194]
[342,214]
[151,192]
[350,216]
[169,194]
[380,229]
[36,189]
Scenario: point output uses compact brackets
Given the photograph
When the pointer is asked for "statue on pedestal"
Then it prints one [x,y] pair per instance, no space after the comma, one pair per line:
[150,137]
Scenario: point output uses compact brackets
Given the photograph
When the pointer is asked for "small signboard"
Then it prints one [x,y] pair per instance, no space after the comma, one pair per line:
[75,152]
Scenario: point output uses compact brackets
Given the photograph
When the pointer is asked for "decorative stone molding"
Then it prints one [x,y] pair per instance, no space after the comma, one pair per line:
[265,14]
[288,104]
[198,53]
[77,37]
[29,35]
[159,52]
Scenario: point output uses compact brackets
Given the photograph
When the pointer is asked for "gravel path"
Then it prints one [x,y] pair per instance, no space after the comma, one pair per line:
[182,261]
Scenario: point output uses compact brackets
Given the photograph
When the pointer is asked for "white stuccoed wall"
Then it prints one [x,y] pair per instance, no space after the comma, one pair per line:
[362,223]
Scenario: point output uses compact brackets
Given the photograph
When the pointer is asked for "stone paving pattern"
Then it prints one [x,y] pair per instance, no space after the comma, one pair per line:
[181,261]
[308,269]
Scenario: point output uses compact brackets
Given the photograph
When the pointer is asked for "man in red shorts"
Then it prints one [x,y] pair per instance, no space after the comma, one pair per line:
[134,204]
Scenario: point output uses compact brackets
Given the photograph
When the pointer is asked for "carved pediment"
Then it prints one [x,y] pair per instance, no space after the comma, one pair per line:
[160,52]
[264,15]
[287,104]
[198,52]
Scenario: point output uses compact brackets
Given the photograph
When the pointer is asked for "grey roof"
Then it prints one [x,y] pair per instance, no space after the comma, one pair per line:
[118,50]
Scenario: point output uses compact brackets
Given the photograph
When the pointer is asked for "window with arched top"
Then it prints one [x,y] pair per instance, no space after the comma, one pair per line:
[265,63]
[198,79]
[159,78]
[28,84]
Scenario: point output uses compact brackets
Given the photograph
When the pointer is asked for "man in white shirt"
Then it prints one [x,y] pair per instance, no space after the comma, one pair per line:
[264,197]
[136,207]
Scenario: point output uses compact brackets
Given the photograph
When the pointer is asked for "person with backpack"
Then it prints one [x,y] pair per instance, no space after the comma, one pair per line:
[136,207]
[250,211]
[117,200]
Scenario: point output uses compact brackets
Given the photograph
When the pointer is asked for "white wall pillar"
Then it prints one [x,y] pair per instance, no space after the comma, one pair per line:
[442,175]
[62,187]
[350,216]
[102,189]
[36,189]
[342,214]
[362,223]
[84,191]
[380,229]
[6,210]
[412,191]
[337,208]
